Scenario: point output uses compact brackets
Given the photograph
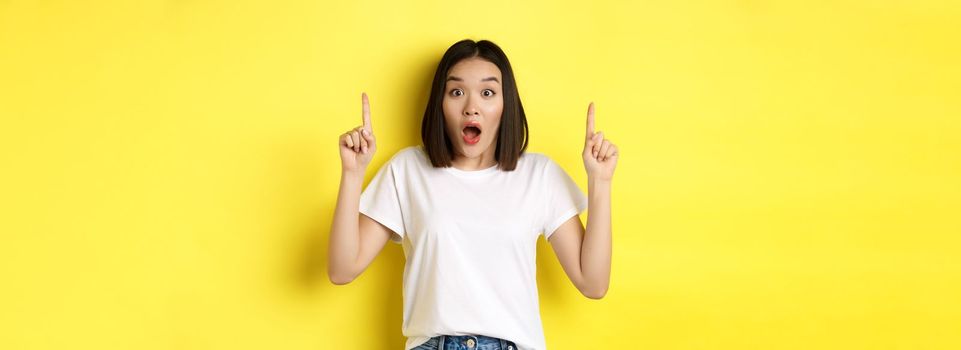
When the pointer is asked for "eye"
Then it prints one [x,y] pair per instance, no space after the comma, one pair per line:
[487,93]
[457,92]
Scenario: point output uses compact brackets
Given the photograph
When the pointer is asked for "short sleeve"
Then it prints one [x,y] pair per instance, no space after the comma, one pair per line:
[565,199]
[380,201]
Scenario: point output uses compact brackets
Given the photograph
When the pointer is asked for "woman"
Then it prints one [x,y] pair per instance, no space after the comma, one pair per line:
[468,206]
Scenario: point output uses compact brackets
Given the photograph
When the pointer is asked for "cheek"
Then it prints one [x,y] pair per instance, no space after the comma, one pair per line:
[452,110]
[495,110]
[450,122]
[495,124]
[494,107]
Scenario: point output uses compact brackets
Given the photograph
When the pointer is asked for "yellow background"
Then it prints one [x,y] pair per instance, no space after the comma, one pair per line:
[790,174]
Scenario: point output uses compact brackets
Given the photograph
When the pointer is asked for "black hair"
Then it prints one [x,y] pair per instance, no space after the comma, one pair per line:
[512,134]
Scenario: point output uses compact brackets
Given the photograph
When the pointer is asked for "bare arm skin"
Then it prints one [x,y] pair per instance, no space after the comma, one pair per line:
[355,239]
[586,257]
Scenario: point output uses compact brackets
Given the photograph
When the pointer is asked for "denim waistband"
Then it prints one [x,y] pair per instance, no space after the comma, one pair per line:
[470,342]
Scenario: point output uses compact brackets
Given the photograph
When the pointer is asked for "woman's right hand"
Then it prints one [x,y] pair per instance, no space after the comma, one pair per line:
[357,146]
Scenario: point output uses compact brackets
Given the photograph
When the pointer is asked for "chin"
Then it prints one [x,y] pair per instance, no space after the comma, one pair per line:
[474,151]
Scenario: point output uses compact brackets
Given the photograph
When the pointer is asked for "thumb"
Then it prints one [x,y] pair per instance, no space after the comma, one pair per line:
[589,145]
[369,138]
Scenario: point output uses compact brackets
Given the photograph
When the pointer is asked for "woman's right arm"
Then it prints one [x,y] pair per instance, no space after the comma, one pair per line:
[355,240]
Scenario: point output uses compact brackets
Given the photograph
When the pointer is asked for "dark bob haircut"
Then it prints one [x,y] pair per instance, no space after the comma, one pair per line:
[512,134]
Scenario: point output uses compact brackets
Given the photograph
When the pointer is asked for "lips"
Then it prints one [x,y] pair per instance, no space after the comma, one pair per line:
[471,132]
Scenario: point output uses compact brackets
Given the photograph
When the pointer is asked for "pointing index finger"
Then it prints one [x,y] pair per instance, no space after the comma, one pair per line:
[590,121]
[366,111]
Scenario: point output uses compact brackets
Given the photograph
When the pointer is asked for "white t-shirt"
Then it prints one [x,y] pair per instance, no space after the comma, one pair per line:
[469,239]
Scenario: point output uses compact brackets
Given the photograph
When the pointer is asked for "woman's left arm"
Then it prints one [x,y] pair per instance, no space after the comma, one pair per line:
[586,257]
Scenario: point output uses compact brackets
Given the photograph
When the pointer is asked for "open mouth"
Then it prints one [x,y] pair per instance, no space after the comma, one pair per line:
[471,133]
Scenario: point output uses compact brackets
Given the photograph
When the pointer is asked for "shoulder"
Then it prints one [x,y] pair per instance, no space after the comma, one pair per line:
[537,163]
[538,159]
[408,152]
[409,156]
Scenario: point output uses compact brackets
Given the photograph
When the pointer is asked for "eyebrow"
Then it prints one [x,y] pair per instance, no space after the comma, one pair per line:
[455,78]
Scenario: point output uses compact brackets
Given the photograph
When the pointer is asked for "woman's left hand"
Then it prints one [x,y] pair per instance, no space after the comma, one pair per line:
[600,155]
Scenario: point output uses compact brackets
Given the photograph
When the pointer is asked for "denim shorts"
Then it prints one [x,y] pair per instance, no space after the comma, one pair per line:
[466,342]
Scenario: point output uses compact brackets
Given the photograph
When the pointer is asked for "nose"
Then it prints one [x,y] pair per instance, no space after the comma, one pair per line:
[470,109]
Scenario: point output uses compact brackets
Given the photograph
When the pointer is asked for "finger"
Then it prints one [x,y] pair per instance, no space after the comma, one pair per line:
[590,121]
[363,141]
[346,140]
[371,143]
[366,111]
[588,148]
[603,150]
[596,141]
[610,152]
[355,136]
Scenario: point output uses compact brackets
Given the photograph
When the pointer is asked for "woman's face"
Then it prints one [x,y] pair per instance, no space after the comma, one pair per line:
[473,105]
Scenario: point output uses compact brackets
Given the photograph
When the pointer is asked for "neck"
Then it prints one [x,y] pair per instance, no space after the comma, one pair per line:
[482,161]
